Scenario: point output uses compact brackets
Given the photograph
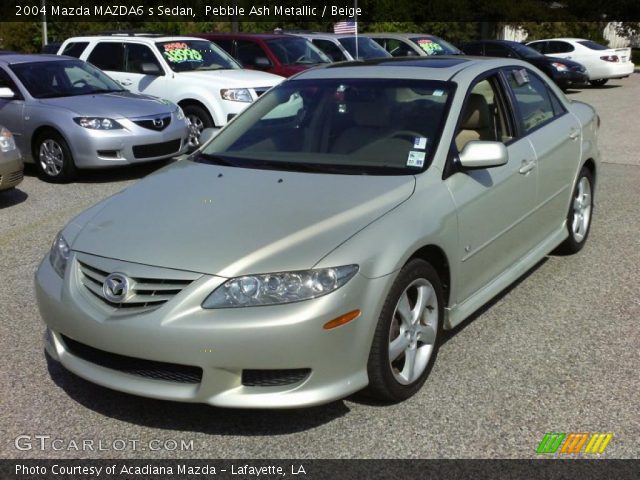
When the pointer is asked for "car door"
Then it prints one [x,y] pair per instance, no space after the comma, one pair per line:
[135,78]
[12,113]
[555,136]
[494,205]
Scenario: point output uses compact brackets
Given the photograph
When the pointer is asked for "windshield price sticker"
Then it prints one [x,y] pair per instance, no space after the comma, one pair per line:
[179,52]
[416,159]
[429,46]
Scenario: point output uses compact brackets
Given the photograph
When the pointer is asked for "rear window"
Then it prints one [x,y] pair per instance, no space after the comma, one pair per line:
[74,49]
[592,45]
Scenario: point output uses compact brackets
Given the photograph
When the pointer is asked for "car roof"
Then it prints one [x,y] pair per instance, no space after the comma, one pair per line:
[398,35]
[144,38]
[442,68]
[14,58]
[263,36]
[565,39]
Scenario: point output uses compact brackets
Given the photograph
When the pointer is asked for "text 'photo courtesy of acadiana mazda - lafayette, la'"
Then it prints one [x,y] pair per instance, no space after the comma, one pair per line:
[209,85]
[322,241]
[66,114]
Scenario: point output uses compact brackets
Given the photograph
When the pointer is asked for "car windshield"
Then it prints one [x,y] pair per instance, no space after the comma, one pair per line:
[345,126]
[189,55]
[592,45]
[296,51]
[63,78]
[436,46]
[525,51]
[367,48]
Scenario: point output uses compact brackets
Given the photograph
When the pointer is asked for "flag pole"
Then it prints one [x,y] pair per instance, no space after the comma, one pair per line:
[355,10]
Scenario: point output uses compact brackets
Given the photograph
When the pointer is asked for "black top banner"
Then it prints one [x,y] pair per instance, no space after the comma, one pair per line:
[317,11]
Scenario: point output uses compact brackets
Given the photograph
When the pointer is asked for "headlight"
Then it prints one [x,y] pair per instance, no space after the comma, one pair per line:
[59,254]
[278,288]
[7,143]
[561,67]
[97,123]
[180,113]
[236,94]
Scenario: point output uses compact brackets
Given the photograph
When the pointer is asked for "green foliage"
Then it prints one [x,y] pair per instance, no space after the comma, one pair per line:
[539,30]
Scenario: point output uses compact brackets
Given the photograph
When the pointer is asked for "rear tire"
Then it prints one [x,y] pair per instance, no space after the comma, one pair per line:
[53,158]
[598,83]
[199,119]
[406,341]
[580,214]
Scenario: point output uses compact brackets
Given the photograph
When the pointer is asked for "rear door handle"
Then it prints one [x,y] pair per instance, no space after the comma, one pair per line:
[125,83]
[574,134]
[527,166]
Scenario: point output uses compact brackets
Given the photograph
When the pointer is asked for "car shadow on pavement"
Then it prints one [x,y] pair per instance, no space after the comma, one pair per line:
[11,197]
[114,174]
[178,416]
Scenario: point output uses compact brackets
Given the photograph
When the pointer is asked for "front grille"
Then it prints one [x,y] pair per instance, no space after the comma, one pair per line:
[157,149]
[261,90]
[157,124]
[273,378]
[145,293]
[170,372]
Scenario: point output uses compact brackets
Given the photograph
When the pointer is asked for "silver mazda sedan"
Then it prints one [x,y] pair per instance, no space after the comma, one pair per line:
[322,241]
[67,114]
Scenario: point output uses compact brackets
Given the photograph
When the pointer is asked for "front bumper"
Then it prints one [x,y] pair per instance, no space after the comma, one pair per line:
[11,169]
[223,343]
[129,145]
[571,77]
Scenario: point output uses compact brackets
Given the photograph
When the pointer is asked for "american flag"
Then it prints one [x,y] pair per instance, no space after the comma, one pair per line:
[346,26]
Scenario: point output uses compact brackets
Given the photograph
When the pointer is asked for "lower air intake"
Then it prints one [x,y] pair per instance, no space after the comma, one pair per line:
[273,378]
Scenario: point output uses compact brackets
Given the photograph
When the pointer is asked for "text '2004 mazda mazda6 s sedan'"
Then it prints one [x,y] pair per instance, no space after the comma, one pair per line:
[322,241]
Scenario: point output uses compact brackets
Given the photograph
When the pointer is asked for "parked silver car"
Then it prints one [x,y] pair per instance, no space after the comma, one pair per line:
[10,161]
[67,114]
[322,241]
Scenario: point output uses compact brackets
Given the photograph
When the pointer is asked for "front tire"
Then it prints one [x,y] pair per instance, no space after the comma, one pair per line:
[408,333]
[53,158]
[580,213]
[199,119]
[598,83]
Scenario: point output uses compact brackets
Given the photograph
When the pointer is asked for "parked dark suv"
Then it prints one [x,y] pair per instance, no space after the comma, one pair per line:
[280,54]
[562,71]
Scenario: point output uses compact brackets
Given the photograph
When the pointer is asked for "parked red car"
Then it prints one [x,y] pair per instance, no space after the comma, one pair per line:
[281,54]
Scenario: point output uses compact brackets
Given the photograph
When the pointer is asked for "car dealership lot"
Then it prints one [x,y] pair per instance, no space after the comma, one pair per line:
[556,353]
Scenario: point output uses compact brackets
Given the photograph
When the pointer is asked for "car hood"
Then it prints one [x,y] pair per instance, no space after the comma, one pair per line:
[113,105]
[236,78]
[230,221]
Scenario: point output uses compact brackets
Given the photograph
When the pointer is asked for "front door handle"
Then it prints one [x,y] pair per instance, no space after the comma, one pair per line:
[125,83]
[527,166]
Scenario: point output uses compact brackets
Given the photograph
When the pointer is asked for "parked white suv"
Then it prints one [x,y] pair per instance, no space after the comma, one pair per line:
[209,85]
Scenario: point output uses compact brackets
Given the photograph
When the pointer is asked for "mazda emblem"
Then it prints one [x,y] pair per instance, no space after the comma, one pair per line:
[158,122]
[116,287]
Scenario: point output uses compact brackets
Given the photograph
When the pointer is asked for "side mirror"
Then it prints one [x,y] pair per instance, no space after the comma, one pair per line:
[6,92]
[483,154]
[207,134]
[150,68]
[262,62]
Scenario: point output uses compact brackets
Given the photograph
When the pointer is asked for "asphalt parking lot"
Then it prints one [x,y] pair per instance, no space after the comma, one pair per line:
[557,352]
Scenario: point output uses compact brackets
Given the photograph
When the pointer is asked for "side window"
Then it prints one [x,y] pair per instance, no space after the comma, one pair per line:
[538,46]
[532,96]
[495,50]
[138,54]
[248,52]
[473,49]
[75,49]
[330,49]
[108,56]
[484,115]
[398,48]
[6,82]
[560,47]
[225,44]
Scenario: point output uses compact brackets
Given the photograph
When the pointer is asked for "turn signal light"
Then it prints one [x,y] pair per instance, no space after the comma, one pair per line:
[342,319]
